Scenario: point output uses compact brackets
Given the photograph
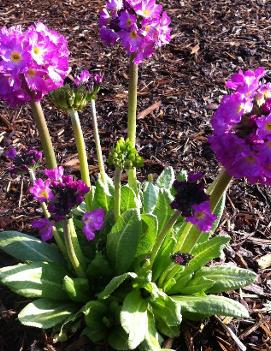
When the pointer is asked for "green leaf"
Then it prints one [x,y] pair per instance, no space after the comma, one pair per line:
[95,314]
[28,248]
[102,197]
[194,287]
[128,198]
[114,284]
[163,210]
[150,196]
[197,307]
[99,267]
[166,178]
[37,279]
[181,283]
[224,278]
[122,241]
[68,327]
[148,236]
[44,313]
[205,252]
[77,288]
[118,339]
[150,342]
[134,318]
[182,176]
[167,313]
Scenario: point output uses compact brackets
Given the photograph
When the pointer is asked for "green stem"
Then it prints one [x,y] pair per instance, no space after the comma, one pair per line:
[162,235]
[97,142]
[44,134]
[82,154]
[132,107]
[189,234]
[46,213]
[117,195]
[69,234]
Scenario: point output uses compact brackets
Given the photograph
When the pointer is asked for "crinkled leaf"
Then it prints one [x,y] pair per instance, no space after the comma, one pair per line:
[150,196]
[128,198]
[37,279]
[45,313]
[150,342]
[224,278]
[118,339]
[122,241]
[148,236]
[166,178]
[28,248]
[194,287]
[95,312]
[114,284]
[197,307]
[102,197]
[134,318]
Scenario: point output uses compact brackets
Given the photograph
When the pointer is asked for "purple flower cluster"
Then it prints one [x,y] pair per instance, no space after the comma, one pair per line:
[62,193]
[90,79]
[24,160]
[193,203]
[242,128]
[181,258]
[139,25]
[32,63]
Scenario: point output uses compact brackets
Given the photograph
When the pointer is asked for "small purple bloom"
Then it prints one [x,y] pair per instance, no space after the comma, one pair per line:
[45,228]
[55,174]
[82,78]
[41,190]
[246,82]
[93,221]
[11,153]
[126,20]
[202,216]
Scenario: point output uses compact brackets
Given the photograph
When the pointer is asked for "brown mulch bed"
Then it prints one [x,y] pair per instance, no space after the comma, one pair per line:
[179,90]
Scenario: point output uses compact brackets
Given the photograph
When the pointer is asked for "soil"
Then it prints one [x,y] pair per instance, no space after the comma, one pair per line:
[179,89]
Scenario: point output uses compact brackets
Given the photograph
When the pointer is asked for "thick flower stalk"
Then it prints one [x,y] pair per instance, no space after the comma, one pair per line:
[32,63]
[242,128]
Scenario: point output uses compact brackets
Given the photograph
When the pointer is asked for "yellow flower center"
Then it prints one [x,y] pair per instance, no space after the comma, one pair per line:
[268,126]
[133,35]
[200,215]
[36,50]
[15,56]
[250,159]
[129,22]
[44,193]
[146,12]
[31,72]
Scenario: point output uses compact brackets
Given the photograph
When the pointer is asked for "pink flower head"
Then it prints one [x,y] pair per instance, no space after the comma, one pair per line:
[55,174]
[45,228]
[32,63]
[202,216]
[82,78]
[140,26]
[93,221]
[242,128]
[41,190]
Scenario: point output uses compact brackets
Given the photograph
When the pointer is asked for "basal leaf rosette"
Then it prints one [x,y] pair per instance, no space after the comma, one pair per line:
[241,138]
[32,63]
[139,26]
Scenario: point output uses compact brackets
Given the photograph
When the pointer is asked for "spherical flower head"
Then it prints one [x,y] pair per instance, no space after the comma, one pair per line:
[45,228]
[32,63]
[202,216]
[41,190]
[242,128]
[140,27]
[93,221]
[82,78]
[23,160]
[180,258]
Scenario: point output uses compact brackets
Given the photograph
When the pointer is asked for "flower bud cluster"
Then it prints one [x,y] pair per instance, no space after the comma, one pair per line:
[125,156]
[24,160]
[242,127]
[77,91]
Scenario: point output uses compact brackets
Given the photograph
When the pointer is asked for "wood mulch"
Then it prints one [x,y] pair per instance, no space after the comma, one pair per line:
[179,89]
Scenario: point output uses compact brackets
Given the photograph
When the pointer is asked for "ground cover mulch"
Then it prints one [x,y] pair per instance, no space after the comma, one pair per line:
[179,89]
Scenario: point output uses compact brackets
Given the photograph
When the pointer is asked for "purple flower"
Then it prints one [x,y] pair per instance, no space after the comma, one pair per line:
[32,63]
[41,190]
[93,221]
[23,160]
[202,216]
[11,153]
[140,26]
[45,228]
[82,78]
[181,258]
[55,174]
[242,128]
